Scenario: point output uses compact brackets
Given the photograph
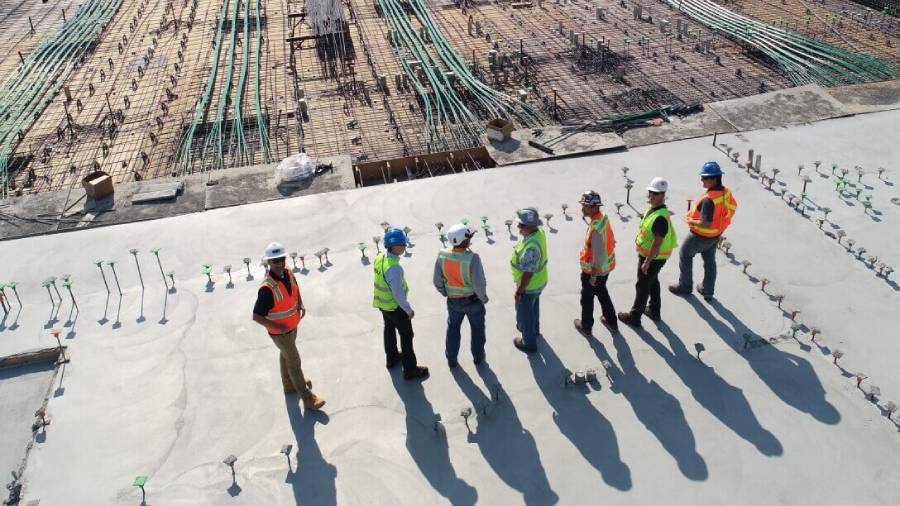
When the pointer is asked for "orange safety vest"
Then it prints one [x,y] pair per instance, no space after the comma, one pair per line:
[457,270]
[725,205]
[285,309]
[599,222]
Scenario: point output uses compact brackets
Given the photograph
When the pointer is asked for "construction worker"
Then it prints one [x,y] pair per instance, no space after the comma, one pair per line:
[598,259]
[459,276]
[654,242]
[279,308]
[529,270]
[390,299]
[707,220]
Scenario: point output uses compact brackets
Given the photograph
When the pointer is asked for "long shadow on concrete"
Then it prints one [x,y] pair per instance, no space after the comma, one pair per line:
[428,447]
[313,480]
[506,446]
[577,419]
[789,376]
[723,400]
[659,411]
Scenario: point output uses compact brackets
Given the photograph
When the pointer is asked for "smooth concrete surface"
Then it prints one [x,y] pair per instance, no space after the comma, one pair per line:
[22,391]
[793,106]
[706,122]
[869,97]
[516,149]
[168,384]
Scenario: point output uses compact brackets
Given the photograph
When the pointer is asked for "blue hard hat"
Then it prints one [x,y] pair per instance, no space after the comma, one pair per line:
[711,169]
[394,237]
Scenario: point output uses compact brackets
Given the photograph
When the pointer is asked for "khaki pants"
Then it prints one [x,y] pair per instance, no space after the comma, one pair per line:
[291,373]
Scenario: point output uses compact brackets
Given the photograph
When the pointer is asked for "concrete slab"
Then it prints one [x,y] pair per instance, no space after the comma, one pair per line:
[793,106]
[706,122]
[870,97]
[166,384]
[22,392]
[517,150]
[257,184]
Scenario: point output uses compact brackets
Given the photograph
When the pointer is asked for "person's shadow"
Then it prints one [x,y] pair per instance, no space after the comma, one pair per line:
[789,376]
[313,479]
[507,447]
[723,400]
[427,444]
[659,411]
[579,421]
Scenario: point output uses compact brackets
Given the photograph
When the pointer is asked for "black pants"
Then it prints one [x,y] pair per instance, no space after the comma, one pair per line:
[398,321]
[647,288]
[588,293]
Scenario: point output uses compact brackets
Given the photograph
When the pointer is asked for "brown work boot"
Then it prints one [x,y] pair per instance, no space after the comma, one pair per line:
[313,401]
[417,373]
[611,326]
[289,388]
[629,319]
[580,328]
[653,315]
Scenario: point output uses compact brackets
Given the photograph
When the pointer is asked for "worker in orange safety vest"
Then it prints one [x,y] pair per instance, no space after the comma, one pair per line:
[279,308]
[707,220]
[459,276]
[598,259]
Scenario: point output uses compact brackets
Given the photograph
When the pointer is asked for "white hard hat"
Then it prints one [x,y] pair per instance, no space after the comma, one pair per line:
[658,185]
[274,250]
[458,233]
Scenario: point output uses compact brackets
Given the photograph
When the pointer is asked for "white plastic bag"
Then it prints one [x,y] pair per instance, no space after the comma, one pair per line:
[295,168]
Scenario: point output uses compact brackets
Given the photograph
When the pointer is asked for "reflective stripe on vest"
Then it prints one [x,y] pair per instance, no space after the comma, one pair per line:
[725,206]
[644,239]
[538,279]
[457,270]
[383,296]
[599,223]
[284,310]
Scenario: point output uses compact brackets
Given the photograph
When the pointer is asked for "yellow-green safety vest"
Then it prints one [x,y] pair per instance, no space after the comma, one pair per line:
[539,279]
[645,237]
[384,297]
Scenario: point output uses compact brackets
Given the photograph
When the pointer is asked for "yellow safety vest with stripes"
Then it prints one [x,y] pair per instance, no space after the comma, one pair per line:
[383,297]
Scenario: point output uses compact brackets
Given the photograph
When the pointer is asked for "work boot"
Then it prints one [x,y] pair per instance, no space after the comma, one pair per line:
[289,388]
[612,327]
[679,290]
[313,401]
[418,372]
[653,315]
[629,319]
[581,330]
[708,297]
[520,344]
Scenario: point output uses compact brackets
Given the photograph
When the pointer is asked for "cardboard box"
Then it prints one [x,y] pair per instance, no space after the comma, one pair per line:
[499,130]
[97,185]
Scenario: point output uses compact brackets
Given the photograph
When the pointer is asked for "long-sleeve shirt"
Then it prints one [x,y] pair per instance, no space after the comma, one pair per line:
[598,252]
[394,278]
[479,283]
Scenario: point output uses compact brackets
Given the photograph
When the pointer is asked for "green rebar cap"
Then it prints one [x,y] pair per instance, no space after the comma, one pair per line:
[139,481]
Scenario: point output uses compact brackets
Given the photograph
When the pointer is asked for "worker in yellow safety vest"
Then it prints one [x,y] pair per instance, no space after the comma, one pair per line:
[279,308]
[459,276]
[654,242]
[708,219]
[598,259]
[529,271]
[390,298]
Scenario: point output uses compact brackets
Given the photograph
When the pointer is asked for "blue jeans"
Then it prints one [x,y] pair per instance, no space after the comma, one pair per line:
[528,318]
[457,309]
[706,246]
